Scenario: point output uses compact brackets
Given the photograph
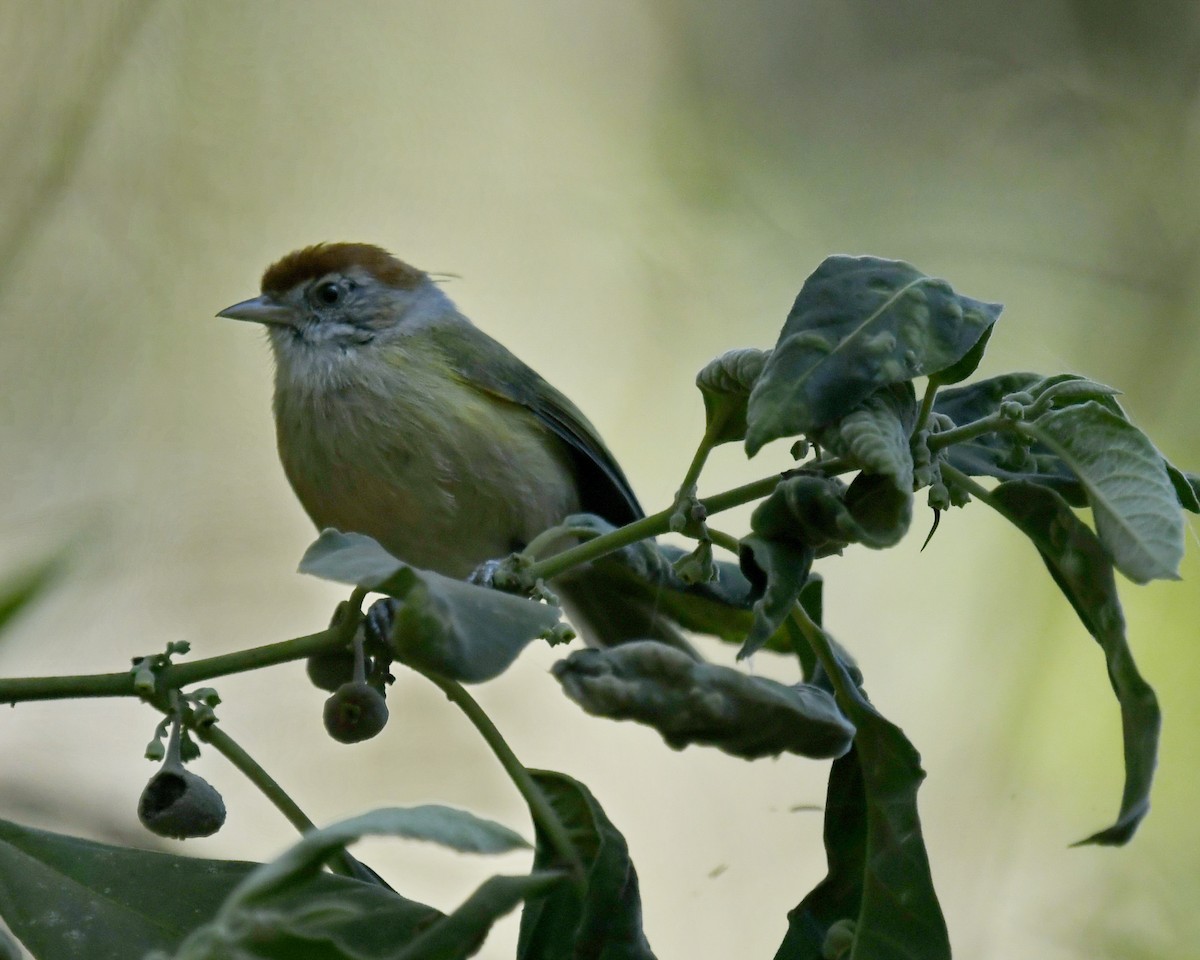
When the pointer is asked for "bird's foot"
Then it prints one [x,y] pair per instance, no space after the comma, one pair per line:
[381,617]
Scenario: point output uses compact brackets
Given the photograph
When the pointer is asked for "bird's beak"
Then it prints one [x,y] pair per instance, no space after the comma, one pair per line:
[260,310]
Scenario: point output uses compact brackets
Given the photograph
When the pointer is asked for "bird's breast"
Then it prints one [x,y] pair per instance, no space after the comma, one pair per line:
[443,475]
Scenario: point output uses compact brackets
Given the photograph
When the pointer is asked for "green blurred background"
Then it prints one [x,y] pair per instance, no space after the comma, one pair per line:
[624,191]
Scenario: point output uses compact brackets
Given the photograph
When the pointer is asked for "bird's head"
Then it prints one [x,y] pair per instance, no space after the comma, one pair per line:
[340,295]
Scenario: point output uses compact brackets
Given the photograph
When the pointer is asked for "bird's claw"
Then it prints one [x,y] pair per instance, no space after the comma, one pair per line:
[484,575]
[381,617]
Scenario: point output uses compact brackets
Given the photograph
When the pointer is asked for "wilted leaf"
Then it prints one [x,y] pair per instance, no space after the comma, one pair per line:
[874,436]
[779,569]
[605,921]
[1083,571]
[693,702]
[446,626]
[859,323]
[1136,508]
[809,516]
[824,514]
[726,383]
[880,510]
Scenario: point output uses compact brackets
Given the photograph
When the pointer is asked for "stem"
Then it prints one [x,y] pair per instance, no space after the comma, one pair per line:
[725,540]
[660,522]
[969,431]
[690,479]
[650,526]
[844,689]
[547,537]
[183,674]
[755,490]
[931,389]
[543,813]
[21,689]
[551,567]
[960,479]
[232,751]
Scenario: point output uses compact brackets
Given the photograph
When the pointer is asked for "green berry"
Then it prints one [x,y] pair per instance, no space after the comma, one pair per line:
[328,671]
[355,712]
[176,803]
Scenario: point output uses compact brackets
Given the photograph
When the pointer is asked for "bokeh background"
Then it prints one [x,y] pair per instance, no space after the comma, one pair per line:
[624,190]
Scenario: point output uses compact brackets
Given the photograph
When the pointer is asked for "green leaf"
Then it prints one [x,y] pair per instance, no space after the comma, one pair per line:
[301,926]
[838,897]
[124,903]
[725,384]
[878,869]
[1004,455]
[605,921]
[1187,488]
[1136,509]
[19,590]
[693,702]
[874,436]
[1007,455]
[1083,571]
[445,626]
[456,829]
[959,371]
[859,323]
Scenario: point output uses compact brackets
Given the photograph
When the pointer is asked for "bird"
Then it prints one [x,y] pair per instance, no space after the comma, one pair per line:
[398,418]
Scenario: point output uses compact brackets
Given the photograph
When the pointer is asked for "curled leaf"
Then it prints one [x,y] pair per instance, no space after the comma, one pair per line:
[805,517]
[874,436]
[691,702]
[779,570]
[725,384]
[824,514]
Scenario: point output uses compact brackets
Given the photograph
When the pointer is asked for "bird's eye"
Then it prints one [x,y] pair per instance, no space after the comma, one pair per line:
[328,293]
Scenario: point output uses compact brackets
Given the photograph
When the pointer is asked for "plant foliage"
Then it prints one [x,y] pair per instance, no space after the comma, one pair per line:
[1056,456]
